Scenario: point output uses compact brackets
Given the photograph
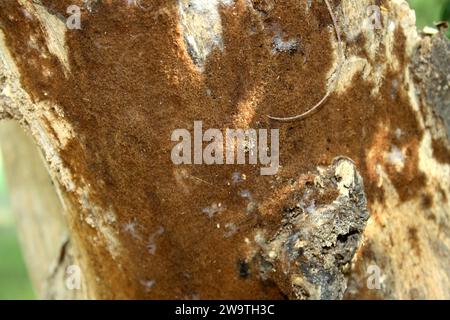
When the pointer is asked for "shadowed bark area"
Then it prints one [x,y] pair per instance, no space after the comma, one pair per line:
[363,182]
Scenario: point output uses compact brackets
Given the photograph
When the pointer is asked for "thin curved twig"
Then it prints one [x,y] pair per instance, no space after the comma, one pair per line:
[337,74]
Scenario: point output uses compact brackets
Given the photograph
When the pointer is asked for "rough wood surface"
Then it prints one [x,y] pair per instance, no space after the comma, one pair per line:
[102,101]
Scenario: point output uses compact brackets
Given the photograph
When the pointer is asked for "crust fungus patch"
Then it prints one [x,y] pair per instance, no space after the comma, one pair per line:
[131,84]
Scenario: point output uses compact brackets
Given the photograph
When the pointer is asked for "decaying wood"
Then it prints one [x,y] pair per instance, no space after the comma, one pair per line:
[363,183]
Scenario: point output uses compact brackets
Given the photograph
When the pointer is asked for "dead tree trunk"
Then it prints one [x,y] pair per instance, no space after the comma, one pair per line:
[357,209]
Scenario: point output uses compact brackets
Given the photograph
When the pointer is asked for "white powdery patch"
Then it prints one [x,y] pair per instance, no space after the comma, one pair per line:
[231,229]
[251,205]
[280,45]
[27,14]
[147,284]
[100,219]
[246,194]
[151,246]
[396,158]
[398,133]
[202,27]
[131,228]
[212,210]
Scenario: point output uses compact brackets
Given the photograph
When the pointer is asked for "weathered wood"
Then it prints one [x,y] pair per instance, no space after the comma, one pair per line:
[102,101]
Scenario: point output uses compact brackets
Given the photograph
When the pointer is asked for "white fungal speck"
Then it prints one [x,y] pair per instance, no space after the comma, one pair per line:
[27,14]
[131,228]
[151,246]
[280,45]
[251,206]
[159,232]
[246,194]
[231,230]
[147,284]
[396,157]
[212,210]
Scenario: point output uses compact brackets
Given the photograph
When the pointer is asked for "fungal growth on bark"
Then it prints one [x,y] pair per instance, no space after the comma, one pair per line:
[95,94]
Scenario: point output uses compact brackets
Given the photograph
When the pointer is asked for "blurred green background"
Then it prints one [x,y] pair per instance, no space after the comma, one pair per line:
[430,11]
[14,281]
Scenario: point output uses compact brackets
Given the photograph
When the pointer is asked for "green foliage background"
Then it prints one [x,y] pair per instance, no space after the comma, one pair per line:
[430,11]
[14,281]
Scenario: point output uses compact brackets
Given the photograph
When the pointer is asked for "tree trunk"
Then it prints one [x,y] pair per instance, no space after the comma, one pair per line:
[357,209]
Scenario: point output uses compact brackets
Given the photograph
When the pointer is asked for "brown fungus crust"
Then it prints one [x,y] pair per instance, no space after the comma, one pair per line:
[124,99]
[440,151]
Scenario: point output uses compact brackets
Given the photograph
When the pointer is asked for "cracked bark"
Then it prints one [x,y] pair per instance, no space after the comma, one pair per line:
[356,188]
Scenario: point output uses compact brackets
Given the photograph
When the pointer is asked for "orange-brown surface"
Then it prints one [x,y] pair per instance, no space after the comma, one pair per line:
[131,83]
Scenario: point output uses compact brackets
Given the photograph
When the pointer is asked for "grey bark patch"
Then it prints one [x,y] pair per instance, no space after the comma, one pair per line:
[312,250]
[431,67]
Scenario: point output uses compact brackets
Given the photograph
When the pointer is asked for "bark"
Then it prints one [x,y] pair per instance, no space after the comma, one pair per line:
[363,184]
